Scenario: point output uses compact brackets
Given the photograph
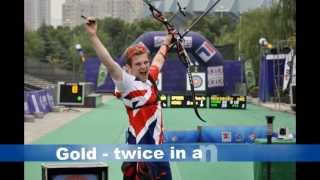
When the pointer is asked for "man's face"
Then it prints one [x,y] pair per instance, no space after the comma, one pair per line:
[140,65]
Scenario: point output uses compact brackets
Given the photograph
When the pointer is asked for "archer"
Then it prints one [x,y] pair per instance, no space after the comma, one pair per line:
[139,93]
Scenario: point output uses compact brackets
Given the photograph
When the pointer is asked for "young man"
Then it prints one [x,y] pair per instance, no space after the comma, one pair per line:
[137,88]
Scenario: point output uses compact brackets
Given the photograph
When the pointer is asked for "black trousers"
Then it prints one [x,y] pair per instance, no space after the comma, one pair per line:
[146,171]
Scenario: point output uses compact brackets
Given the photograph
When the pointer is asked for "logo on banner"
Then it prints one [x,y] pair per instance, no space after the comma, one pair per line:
[158,40]
[35,103]
[174,138]
[252,136]
[50,100]
[187,41]
[239,138]
[43,102]
[215,76]
[198,81]
[226,136]
[206,51]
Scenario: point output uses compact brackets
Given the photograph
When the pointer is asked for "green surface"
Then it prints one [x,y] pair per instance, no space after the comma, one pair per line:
[107,124]
[276,141]
[278,170]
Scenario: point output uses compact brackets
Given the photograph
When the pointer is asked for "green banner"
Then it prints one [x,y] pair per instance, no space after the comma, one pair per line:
[249,73]
[102,75]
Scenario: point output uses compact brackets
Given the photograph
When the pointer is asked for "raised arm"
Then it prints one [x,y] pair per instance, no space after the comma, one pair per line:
[161,55]
[113,67]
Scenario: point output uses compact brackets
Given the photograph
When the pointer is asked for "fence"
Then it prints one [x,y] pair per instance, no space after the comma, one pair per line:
[50,72]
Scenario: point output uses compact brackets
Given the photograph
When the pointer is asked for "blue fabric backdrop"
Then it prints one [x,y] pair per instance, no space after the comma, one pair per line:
[270,75]
[173,76]
[174,72]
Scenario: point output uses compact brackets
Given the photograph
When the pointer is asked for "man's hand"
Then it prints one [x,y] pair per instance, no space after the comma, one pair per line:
[104,56]
[91,25]
[170,37]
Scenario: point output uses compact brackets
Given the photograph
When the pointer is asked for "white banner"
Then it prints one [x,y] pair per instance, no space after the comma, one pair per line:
[287,69]
[158,40]
[275,56]
[199,81]
[215,76]
[293,81]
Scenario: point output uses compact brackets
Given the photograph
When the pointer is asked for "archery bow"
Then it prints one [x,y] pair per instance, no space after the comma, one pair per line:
[199,18]
[178,42]
[181,10]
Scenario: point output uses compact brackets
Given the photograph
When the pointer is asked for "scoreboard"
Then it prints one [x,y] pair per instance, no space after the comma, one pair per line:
[215,101]
[186,101]
[228,102]
[70,93]
[182,101]
[164,101]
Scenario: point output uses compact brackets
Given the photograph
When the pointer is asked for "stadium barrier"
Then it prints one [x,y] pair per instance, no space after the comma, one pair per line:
[38,101]
[223,134]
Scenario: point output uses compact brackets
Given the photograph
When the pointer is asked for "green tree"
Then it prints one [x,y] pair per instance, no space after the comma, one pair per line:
[215,27]
[33,45]
[276,24]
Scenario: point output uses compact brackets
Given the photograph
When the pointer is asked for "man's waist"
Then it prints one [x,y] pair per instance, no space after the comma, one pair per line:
[144,106]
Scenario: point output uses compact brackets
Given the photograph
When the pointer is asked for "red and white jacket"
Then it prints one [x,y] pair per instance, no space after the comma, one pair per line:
[143,108]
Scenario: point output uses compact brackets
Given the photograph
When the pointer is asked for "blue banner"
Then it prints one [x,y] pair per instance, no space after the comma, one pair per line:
[205,56]
[271,70]
[197,152]
[218,134]
[38,101]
